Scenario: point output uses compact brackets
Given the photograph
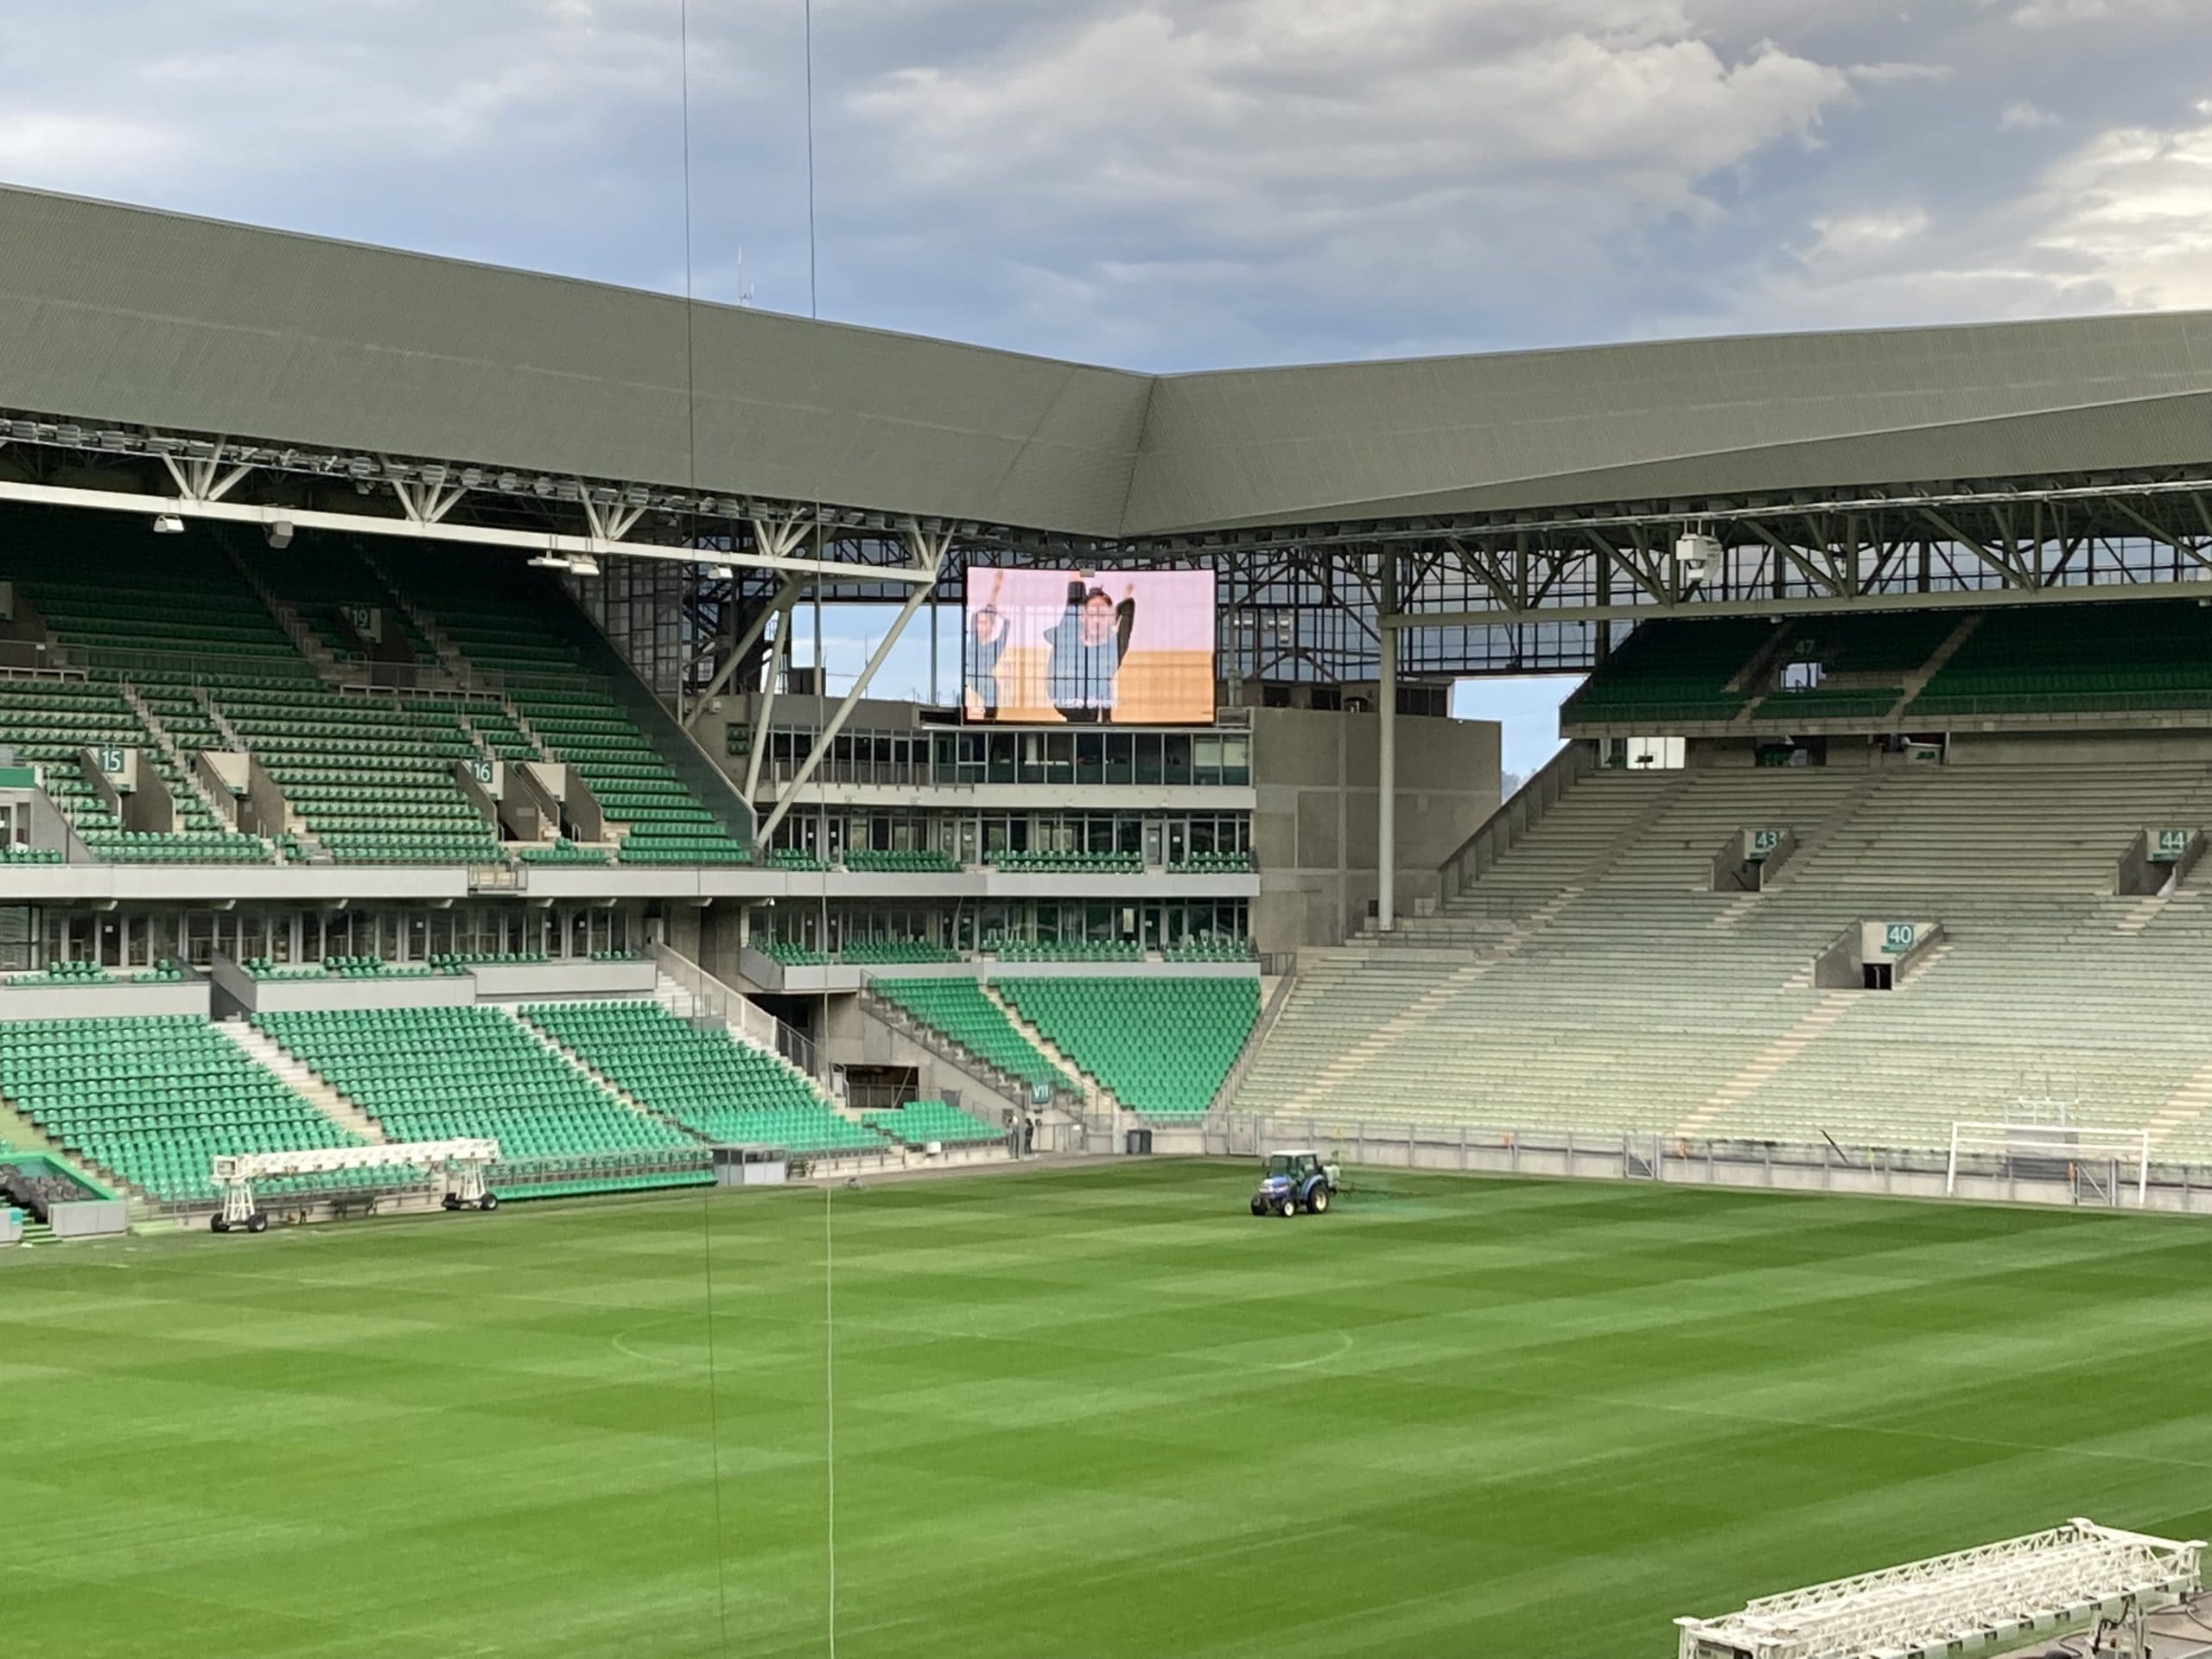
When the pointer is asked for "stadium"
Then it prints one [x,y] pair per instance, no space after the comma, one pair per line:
[730,1165]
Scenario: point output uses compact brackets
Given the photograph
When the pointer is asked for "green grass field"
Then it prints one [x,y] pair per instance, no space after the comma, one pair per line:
[1084,1413]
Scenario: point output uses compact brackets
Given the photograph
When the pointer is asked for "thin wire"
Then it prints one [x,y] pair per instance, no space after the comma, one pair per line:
[813,279]
[691,307]
[715,1411]
[830,1394]
[706,1213]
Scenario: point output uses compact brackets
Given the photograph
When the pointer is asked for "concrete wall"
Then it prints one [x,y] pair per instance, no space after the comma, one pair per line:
[2074,748]
[1313,832]
[534,981]
[851,1035]
[329,991]
[116,1000]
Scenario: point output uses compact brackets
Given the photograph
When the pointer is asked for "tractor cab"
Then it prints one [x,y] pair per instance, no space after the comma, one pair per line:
[1295,1181]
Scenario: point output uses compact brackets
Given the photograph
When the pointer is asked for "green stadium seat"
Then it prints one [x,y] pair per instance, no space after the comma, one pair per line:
[1163,1046]
[718,1088]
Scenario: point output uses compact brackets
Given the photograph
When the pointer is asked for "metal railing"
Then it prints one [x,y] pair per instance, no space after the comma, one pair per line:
[720,1001]
[944,1048]
[2090,1177]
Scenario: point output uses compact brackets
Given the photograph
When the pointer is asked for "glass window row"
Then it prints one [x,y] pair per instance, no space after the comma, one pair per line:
[1212,760]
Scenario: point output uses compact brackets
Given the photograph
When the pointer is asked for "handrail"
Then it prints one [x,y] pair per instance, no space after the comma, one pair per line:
[1516,816]
[755,1022]
[952,1052]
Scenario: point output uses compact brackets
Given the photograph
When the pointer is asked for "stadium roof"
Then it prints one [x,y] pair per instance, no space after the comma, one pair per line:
[140,318]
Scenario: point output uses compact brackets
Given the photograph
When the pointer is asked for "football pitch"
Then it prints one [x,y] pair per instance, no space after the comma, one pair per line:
[1084,1413]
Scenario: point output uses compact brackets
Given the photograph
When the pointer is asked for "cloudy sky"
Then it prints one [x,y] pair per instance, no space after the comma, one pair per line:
[1173,184]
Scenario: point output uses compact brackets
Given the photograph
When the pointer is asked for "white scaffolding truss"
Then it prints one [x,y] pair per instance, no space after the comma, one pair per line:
[2129,1150]
[462,1164]
[1999,1595]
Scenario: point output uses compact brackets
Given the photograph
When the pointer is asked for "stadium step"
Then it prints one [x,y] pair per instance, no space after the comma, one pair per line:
[577,1064]
[1763,1066]
[302,1079]
[669,992]
[2186,1104]
[1378,1041]
[218,718]
[450,656]
[2145,911]
[1916,681]
[303,637]
[167,746]
[1096,1095]
[19,1132]
[1736,909]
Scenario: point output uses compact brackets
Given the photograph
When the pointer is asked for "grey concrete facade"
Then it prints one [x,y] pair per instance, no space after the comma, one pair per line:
[1314,832]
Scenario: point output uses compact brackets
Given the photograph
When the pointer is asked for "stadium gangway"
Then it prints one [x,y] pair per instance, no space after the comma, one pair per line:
[2000,1596]
[462,1164]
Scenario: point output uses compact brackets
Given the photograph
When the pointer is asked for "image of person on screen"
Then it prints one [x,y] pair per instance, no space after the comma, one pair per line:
[1088,646]
[987,640]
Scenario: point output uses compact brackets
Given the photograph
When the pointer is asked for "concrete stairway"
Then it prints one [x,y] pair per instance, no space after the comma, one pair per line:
[1916,681]
[1749,1078]
[302,1079]
[2187,1104]
[1096,1094]
[671,995]
[1383,1037]
[577,1064]
[220,720]
[226,813]
[304,638]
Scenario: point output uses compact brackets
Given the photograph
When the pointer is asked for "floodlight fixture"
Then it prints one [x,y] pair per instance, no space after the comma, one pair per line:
[167,524]
[279,532]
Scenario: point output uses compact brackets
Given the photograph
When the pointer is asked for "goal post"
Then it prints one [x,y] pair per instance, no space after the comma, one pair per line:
[459,1165]
[2069,1143]
[1994,1599]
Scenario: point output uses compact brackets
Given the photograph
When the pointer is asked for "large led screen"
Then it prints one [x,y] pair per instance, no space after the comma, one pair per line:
[1119,647]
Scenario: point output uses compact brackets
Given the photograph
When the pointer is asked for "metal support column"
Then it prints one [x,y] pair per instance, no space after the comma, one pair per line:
[779,657]
[1386,766]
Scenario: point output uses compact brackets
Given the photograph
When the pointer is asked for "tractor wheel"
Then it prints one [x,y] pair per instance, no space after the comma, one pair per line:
[1318,1203]
[1257,1208]
[1289,1205]
[216,1225]
[489,1201]
[450,1203]
[257,1223]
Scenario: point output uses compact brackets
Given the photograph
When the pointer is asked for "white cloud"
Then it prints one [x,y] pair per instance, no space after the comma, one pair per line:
[1856,237]
[1895,74]
[2062,14]
[2124,221]
[1187,151]
[2134,208]
[2020,116]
